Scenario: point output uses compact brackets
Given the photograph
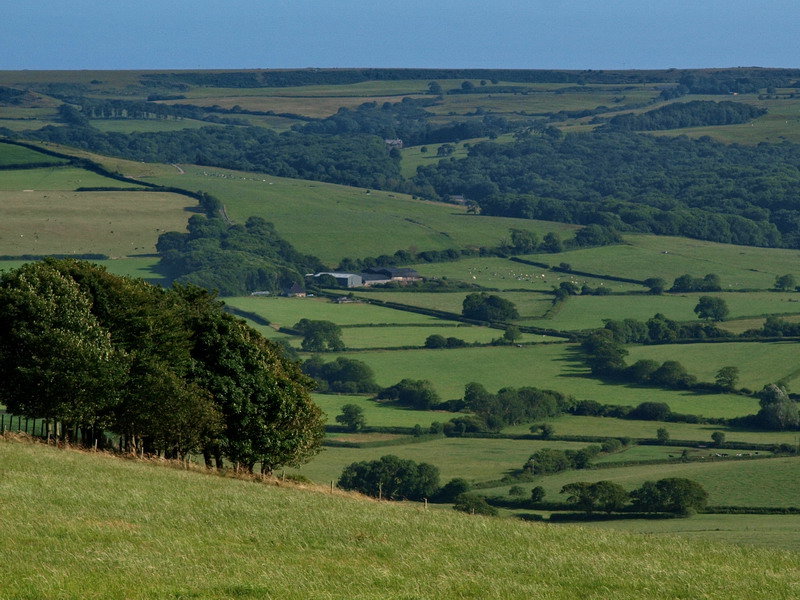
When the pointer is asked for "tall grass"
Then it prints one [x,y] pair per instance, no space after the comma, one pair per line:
[81,526]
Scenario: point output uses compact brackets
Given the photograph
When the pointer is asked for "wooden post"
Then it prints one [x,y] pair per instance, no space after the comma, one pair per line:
[380,491]
[426,503]
[331,486]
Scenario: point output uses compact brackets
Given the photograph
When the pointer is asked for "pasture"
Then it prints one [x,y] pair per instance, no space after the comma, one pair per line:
[770,482]
[548,366]
[334,221]
[19,155]
[758,363]
[585,312]
[530,306]
[62,222]
[771,531]
[737,326]
[643,256]
[503,274]
[285,312]
[382,414]
[610,427]
[52,179]
[162,538]
[394,337]
[474,459]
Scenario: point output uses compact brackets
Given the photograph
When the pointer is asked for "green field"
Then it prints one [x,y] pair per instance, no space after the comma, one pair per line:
[333,221]
[19,155]
[758,363]
[288,311]
[474,459]
[52,179]
[769,482]
[546,366]
[378,413]
[738,326]
[585,312]
[609,427]
[130,266]
[393,337]
[161,538]
[771,531]
[529,305]
[503,274]
[63,222]
[643,256]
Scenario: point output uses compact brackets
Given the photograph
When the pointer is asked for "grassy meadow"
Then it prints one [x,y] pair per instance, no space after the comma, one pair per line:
[334,221]
[610,427]
[770,482]
[643,256]
[547,366]
[59,221]
[175,533]
[474,459]
[503,274]
[529,305]
[758,363]
[19,155]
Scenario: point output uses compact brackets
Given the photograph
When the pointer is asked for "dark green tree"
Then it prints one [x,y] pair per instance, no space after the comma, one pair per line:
[319,336]
[537,494]
[475,505]
[673,495]
[727,377]
[711,308]
[418,394]
[552,243]
[452,489]
[785,283]
[523,241]
[392,478]
[778,411]
[488,307]
[352,417]
[602,495]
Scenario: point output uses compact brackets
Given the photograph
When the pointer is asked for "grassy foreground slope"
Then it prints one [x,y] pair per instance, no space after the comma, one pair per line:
[107,528]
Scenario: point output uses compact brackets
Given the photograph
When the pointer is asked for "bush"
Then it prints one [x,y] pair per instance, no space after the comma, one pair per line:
[476,505]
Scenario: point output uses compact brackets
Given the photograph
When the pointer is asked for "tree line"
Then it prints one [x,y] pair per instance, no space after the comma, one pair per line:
[168,371]
[697,113]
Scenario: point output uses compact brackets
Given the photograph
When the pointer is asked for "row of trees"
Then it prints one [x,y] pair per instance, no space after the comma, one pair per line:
[674,495]
[168,370]
[697,113]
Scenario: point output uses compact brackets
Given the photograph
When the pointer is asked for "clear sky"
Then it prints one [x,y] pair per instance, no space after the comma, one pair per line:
[532,34]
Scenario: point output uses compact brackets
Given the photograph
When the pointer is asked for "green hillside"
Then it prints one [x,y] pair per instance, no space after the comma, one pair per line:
[109,528]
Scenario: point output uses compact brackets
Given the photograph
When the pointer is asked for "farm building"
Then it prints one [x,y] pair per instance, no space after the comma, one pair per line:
[347,280]
[294,291]
[403,274]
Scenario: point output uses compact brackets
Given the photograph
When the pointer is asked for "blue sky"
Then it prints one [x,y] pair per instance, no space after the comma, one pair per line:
[534,34]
